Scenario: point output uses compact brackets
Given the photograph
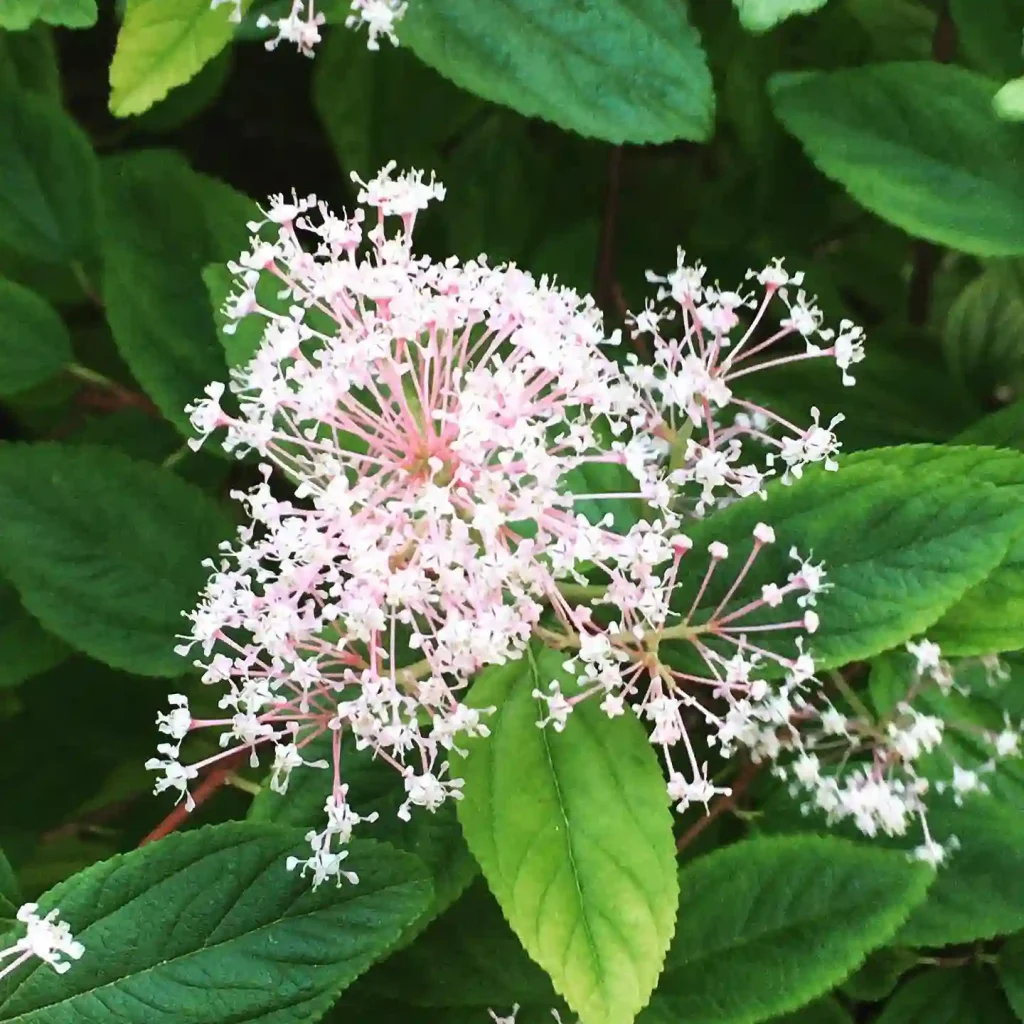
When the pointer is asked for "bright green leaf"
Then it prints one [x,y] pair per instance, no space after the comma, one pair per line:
[1011,973]
[574,835]
[916,143]
[209,926]
[26,649]
[105,551]
[162,44]
[966,996]
[767,925]
[34,343]
[619,70]
[901,544]
[48,181]
[157,238]
[16,15]
[762,15]
[1008,103]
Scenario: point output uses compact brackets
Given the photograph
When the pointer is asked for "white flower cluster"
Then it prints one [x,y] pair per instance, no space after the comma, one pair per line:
[444,425]
[866,768]
[45,937]
[301,25]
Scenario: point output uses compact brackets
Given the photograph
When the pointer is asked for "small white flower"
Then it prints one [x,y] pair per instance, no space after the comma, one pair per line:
[46,938]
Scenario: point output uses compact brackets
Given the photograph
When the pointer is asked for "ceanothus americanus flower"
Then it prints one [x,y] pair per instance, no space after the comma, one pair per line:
[441,423]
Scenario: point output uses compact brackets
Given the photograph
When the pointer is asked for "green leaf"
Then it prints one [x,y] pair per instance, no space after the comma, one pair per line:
[105,551]
[574,836]
[762,15]
[10,898]
[879,975]
[386,106]
[982,331]
[157,238]
[967,996]
[16,15]
[48,181]
[971,898]
[916,143]
[208,926]
[1001,429]
[901,543]
[767,925]
[163,44]
[26,649]
[467,957]
[34,343]
[619,70]
[825,1011]
[991,34]
[1011,973]
[989,617]
[28,60]
[375,786]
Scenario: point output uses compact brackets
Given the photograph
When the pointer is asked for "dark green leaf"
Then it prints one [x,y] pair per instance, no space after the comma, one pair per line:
[968,996]
[386,106]
[467,957]
[990,34]
[573,833]
[917,144]
[10,898]
[156,241]
[34,343]
[619,70]
[902,543]
[28,60]
[879,975]
[105,551]
[48,181]
[982,331]
[1011,973]
[767,925]
[208,926]
[26,649]
[825,1011]
[972,897]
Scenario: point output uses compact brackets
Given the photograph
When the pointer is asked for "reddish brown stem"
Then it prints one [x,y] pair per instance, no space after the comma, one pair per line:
[216,777]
